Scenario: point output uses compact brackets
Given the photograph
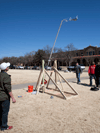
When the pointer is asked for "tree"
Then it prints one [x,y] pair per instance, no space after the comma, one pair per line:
[6,59]
[39,56]
[70,47]
[69,53]
[29,58]
[47,49]
[13,60]
[89,60]
[57,53]
[59,50]
[0,61]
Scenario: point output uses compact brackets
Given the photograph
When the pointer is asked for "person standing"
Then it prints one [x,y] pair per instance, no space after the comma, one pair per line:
[78,71]
[5,94]
[97,74]
[91,72]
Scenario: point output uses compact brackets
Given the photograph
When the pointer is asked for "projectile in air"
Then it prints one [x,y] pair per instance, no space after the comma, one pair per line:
[73,19]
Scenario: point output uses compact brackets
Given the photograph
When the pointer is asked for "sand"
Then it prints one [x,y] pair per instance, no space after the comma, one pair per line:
[41,114]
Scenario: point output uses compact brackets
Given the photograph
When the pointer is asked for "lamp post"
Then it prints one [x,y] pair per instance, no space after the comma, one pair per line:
[70,19]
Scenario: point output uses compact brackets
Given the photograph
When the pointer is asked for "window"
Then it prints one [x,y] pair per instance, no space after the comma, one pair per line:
[81,54]
[93,52]
[86,53]
[90,53]
[76,54]
[99,52]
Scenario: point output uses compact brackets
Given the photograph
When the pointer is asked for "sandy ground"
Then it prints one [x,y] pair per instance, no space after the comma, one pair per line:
[28,76]
[41,114]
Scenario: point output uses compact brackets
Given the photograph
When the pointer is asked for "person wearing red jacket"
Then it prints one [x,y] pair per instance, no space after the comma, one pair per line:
[91,72]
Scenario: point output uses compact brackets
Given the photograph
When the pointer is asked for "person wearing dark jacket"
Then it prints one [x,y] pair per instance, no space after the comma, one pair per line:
[97,74]
[78,71]
[5,94]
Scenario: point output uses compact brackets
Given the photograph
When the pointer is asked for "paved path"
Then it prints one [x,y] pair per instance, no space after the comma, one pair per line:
[20,86]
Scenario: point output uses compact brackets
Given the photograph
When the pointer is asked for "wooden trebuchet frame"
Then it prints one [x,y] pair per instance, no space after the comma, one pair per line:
[57,74]
[55,85]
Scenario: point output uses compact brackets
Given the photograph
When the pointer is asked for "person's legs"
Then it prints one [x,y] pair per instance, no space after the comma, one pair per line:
[97,81]
[91,79]
[94,78]
[5,109]
[0,114]
[78,77]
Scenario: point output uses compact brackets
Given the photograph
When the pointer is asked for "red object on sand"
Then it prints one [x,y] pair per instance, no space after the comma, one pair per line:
[30,88]
[45,81]
[10,127]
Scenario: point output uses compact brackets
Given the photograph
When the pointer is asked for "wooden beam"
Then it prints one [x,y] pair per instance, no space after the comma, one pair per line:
[55,65]
[65,80]
[55,84]
[60,82]
[38,80]
[49,79]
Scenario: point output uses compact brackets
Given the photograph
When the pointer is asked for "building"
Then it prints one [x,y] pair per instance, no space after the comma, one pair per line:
[84,56]
[87,55]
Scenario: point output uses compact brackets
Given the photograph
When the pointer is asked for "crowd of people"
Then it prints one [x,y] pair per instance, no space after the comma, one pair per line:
[93,71]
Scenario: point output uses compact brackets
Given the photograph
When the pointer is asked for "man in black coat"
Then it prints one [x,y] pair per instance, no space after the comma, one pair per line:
[97,74]
[78,71]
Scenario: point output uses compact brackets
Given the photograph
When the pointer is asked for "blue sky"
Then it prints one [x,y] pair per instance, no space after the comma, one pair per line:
[29,25]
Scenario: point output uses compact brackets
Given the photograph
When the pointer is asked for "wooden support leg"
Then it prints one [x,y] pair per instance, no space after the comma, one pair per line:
[55,65]
[65,81]
[49,79]
[60,82]
[38,80]
[56,85]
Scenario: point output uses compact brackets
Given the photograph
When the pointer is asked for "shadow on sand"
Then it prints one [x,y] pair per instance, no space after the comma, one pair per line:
[82,84]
